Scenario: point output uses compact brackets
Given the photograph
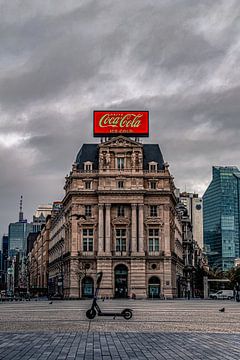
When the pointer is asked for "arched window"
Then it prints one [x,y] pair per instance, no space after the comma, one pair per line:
[121,281]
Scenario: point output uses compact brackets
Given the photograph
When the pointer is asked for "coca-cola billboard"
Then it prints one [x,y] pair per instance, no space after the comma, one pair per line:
[127,123]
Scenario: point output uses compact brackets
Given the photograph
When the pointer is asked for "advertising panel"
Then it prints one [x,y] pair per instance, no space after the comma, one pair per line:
[127,123]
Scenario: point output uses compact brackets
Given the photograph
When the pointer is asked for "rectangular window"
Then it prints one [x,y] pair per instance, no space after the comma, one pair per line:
[153,210]
[120,163]
[120,184]
[121,240]
[88,185]
[88,210]
[120,210]
[153,240]
[153,185]
[87,239]
[153,167]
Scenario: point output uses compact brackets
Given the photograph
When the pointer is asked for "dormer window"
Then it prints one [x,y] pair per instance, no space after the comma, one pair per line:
[152,166]
[88,166]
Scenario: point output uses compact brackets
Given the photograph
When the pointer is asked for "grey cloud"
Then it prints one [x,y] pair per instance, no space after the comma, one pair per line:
[60,64]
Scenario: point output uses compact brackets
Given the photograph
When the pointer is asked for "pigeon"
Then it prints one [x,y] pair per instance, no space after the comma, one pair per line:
[222,310]
[50,303]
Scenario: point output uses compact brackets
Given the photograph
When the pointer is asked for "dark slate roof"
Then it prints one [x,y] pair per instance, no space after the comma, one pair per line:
[152,152]
[89,152]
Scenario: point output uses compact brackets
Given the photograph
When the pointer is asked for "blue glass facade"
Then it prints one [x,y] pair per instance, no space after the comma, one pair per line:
[221,212]
[17,235]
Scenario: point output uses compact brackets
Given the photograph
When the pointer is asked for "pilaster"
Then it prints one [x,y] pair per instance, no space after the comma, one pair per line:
[108,229]
[100,229]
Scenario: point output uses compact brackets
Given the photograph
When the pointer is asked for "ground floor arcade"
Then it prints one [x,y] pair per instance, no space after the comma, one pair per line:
[122,278]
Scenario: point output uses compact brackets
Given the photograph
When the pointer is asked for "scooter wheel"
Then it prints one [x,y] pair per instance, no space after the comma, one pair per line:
[90,314]
[127,314]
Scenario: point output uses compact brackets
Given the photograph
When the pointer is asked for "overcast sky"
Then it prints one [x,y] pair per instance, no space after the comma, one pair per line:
[60,60]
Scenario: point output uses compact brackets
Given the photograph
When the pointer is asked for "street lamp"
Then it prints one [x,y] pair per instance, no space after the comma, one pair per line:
[237,292]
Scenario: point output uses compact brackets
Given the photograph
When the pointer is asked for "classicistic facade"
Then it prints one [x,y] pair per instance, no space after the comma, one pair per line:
[117,216]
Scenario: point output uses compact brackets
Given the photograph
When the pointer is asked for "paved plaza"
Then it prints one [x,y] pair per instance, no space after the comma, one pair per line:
[177,329]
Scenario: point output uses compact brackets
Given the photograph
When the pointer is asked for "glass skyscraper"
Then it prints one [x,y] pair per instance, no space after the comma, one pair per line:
[221,217]
[17,234]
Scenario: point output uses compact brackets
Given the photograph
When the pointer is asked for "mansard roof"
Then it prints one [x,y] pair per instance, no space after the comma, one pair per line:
[152,152]
[89,152]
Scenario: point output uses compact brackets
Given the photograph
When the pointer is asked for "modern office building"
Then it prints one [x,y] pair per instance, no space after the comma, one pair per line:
[194,207]
[221,212]
[118,216]
[4,257]
[5,249]
[18,233]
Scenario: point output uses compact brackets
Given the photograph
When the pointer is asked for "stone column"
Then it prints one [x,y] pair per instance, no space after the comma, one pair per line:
[134,229]
[108,229]
[100,229]
[141,229]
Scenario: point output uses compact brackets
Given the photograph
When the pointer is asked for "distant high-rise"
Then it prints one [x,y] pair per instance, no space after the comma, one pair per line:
[18,233]
[39,219]
[193,204]
[5,251]
[4,256]
[221,217]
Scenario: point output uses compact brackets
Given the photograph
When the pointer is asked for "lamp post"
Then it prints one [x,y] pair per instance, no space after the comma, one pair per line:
[237,292]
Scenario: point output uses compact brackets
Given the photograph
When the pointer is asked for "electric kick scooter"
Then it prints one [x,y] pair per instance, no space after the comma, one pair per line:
[95,309]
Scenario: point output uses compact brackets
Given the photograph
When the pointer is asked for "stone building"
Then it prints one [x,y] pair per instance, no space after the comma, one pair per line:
[37,262]
[194,207]
[56,253]
[118,216]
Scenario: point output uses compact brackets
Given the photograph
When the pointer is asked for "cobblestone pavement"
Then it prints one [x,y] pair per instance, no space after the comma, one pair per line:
[60,346]
[158,330]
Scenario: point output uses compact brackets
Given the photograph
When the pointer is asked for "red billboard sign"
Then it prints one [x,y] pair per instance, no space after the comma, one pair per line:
[114,123]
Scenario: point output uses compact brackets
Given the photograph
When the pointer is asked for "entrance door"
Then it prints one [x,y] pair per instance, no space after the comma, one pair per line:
[87,287]
[154,287]
[121,281]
